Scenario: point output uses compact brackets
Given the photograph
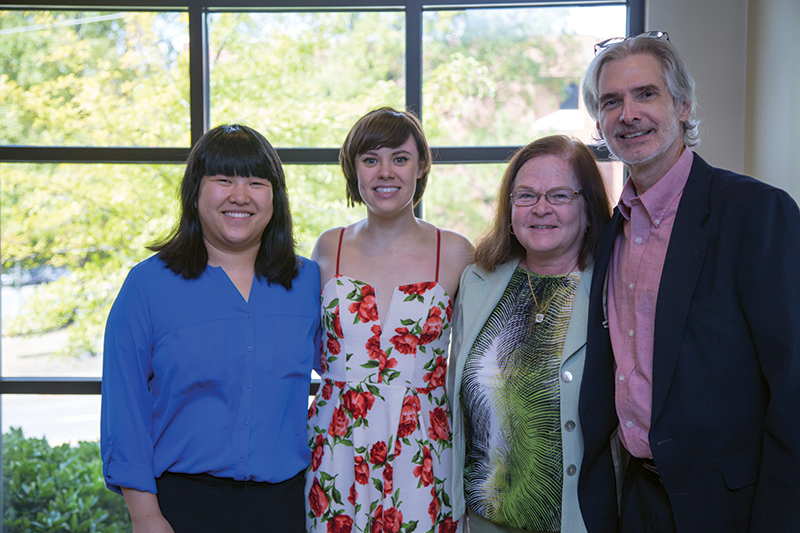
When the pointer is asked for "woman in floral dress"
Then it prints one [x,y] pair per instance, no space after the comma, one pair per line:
[379,426]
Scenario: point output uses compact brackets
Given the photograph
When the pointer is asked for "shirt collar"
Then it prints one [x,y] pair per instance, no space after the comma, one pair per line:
[658,198]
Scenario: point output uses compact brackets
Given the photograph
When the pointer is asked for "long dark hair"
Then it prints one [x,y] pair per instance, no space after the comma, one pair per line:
[498,245]
[232,150]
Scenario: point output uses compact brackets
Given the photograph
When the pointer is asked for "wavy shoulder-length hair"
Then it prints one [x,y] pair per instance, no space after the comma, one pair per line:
[232,150]
[498,245]
[384,127]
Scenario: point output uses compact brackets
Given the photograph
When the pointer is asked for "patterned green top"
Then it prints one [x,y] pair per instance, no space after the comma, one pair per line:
[510,396]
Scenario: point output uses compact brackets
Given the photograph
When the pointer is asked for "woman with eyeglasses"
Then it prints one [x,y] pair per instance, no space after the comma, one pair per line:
[519,342]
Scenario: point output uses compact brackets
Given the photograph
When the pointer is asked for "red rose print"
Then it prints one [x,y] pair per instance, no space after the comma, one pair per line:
[448,526]
[358,403]
[440,427]
[361,470]
[323,360]
[375,352]
[408,416]
[398,447]
[340,384]
[438,377]
[388,475]
[432,327]
[353,494]
[377,455]
[327,390]
[448,311]
[312,409]
[367,308]
[425,470]
[405,342]
[339,422]
[377,524]
[374,348]
[392,520]
[333,345]
[433,508]
[417,288]
[337,324]
[340,523]
[317,499]
[319,451]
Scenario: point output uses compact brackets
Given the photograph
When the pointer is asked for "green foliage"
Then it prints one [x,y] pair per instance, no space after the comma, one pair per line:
[72,78]
[57,489]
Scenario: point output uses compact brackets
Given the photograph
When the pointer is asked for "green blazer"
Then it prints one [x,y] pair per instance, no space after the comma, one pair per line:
[478,294]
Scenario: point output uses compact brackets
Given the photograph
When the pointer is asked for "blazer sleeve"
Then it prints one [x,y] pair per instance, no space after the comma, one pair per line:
[769,287]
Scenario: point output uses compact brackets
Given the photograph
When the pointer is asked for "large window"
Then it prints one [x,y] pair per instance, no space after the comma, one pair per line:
[101,104]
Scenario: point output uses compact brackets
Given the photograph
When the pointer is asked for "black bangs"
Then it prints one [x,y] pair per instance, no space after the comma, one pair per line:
[238,152]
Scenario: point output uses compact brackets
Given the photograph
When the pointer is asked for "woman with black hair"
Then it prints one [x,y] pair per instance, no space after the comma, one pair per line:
[208,352]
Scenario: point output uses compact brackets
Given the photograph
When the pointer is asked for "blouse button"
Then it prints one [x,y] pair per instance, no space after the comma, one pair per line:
[566,376]
[569,426]
[572,470]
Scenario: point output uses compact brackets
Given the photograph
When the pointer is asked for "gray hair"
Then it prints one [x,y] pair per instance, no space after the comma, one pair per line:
[679,82]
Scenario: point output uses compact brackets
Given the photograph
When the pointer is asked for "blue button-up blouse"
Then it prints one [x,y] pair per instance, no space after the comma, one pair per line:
[198,380]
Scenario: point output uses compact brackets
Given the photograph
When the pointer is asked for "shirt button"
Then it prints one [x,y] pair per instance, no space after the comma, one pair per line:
[247,315]
[622,377]
[628,424]
[572,470]
[638,240]
[630,286]
[247,384]
[246,421]
[567,376]
[657,221]
[249,348]
[241,459]
[630,333]
[569,426]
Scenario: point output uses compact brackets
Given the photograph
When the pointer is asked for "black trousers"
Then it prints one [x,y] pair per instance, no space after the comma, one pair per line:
[194,503]
[645,503]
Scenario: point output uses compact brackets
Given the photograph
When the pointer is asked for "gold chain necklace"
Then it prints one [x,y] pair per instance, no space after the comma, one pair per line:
[540,311]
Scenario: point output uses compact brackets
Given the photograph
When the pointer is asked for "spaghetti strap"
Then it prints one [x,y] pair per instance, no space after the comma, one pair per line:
[339,253]
[438,250]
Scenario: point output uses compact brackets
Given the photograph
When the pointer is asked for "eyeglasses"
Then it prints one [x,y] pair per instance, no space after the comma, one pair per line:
[557,196]
[608,43]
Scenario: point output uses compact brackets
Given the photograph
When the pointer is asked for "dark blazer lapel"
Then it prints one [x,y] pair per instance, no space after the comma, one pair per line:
[597,387]
[682,266]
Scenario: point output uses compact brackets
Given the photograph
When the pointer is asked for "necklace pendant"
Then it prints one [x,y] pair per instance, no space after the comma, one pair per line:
[539,318]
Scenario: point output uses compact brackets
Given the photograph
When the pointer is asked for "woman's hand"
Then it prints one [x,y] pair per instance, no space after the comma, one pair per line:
[145,513]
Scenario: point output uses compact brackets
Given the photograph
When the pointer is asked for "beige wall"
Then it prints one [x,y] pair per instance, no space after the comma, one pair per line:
[745,58]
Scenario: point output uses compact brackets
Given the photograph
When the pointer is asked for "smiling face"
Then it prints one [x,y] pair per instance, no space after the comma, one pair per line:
[638,117]
[387,177]
[234,212]
[551,234]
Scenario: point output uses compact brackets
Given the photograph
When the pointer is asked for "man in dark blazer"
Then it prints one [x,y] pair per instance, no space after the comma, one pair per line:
[693,356]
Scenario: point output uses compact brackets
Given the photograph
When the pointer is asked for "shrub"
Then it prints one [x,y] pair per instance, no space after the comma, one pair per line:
[57,489]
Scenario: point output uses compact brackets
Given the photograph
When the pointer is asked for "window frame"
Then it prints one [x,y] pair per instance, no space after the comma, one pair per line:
[198,11]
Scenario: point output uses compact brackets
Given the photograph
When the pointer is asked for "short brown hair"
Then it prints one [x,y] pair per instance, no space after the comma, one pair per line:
[383,128]
[499,246]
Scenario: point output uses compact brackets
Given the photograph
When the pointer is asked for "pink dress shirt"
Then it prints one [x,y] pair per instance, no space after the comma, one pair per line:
[633,281]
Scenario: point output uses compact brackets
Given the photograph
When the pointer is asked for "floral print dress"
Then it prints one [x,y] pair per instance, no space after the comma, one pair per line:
[379,426]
